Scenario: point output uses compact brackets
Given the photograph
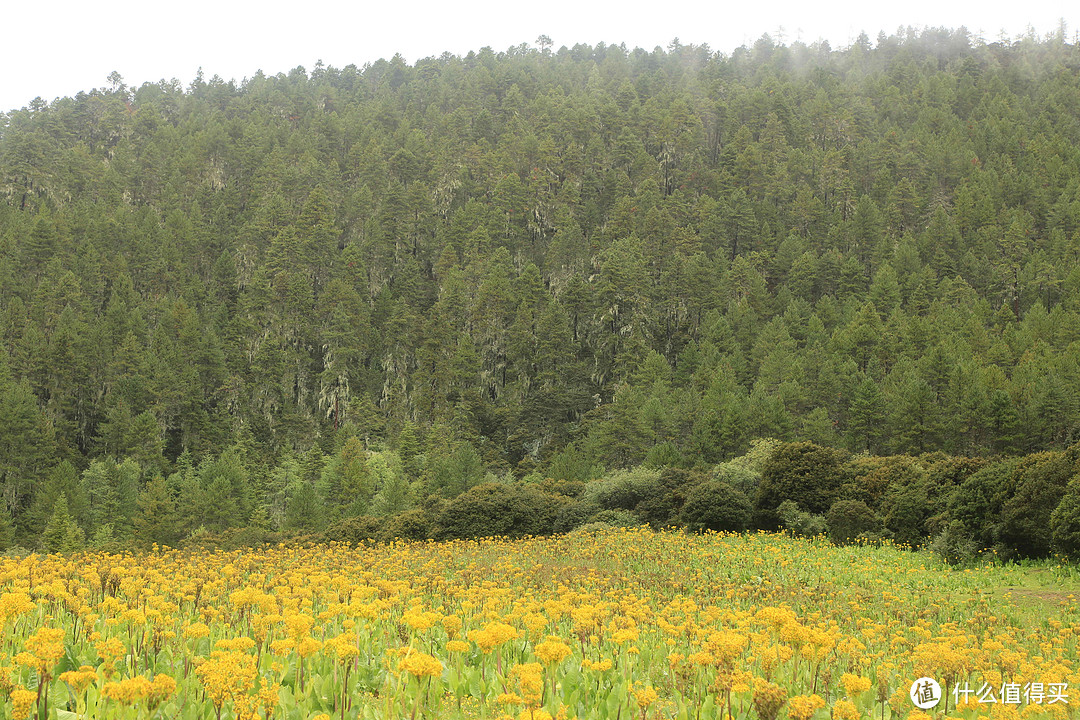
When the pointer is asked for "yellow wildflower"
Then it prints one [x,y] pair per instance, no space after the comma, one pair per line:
[552,652]
[22,700]
[420,665]
[645,697]
[845,710]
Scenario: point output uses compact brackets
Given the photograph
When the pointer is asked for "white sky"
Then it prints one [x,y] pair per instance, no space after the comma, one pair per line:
[52,49]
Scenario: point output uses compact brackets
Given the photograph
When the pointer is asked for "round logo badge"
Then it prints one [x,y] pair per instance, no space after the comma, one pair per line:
[925,693]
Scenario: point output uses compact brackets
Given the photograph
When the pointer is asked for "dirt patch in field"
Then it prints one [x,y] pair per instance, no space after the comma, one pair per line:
[1050,597]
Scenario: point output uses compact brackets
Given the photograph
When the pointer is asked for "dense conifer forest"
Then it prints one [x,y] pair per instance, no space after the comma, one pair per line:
[551,287]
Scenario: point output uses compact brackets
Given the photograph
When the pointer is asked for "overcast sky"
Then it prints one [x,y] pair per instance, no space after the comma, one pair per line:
[59,48]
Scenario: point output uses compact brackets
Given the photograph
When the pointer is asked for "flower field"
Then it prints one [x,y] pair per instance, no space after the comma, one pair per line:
[621,625]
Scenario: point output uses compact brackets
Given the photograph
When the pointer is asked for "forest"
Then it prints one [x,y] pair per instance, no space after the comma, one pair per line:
[610,285]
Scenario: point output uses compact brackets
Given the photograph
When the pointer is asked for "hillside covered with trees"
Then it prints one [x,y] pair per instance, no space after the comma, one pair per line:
[358,292]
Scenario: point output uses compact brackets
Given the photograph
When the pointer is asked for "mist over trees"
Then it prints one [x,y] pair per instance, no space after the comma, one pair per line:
[354,293]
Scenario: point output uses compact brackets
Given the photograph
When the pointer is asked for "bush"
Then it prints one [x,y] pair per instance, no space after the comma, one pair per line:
[1025,517]
[353,530]
[848,519]
[715,505]
[574,515]
[954,544]
[499,509]
[248,537]
[662,509]
[1065,520]
[1008,505]
[623,489]
[871,478]
[907,510]
[409,525]
[739,476]
[802,472]
[537,511]
[569,488]
[615,519]
[799,523]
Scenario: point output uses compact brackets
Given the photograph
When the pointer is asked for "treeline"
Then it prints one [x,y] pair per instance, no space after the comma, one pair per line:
[536,263]
[1025,507]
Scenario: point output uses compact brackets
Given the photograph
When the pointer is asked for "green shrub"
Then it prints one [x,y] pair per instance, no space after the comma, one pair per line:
[715,505]
[848,519]
[615,518]
[955,544]
[799,523]
[742,477]
[1065,520]
[248,537]
[499,509]
[870,479]
[569,488]
[574,515]
[805,473]
[1008,505]
[662,509]
[409,525]
[537,510]
[907,510]
[353,530]
[623,489]
[1025,517]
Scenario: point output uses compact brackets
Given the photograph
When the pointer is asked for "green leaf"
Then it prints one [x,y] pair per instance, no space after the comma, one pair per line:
[476,685]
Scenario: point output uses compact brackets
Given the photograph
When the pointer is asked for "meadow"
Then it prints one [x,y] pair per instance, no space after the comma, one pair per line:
[616,625]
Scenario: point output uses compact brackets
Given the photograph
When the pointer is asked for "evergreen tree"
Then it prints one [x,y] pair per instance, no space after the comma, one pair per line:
[61,534]
[156,518]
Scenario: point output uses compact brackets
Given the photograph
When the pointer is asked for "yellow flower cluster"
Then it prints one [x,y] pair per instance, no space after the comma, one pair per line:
[855,685]
[196,630]
[80,678]
[845,710]
[419,620]
[552,651]
[344,646]
[802,707]
[530,678]
[725,646]
[46,646]
[493,635]
[509,699]
[645,697]
[130,690]
[13,604]
[227,674]
[238,644]
[420,665]
[600,665]
[22,700]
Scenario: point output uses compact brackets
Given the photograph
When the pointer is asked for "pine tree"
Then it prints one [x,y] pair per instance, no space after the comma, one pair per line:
[61,534]
[156,518]
[7,530]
